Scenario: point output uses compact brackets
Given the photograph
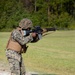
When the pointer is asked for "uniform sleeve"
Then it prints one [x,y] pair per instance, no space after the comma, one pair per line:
[17,36]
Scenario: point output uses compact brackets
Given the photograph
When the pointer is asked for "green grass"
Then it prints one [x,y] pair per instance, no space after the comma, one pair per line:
[54,54]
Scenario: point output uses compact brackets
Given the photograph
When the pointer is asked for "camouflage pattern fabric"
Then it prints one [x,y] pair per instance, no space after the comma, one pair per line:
[25,23]
[14,58]
[17,36]
[15,62]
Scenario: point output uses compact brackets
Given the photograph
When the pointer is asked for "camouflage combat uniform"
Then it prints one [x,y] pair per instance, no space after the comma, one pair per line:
[15,62]
[14,57]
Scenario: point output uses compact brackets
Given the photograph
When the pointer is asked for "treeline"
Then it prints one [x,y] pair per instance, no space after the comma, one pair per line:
[46,13]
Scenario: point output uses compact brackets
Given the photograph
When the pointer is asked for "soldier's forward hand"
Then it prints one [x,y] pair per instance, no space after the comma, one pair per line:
[33,34]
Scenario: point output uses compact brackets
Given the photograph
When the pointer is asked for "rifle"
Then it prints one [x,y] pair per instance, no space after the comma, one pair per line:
[40,31]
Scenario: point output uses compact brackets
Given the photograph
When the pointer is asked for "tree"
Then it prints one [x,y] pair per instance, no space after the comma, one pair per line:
[46,13]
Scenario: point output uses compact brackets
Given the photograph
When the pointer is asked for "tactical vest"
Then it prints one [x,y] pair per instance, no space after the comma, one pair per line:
[14,45]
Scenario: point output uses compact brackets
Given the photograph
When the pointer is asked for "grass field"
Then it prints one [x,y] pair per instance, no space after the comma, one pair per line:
[54,54]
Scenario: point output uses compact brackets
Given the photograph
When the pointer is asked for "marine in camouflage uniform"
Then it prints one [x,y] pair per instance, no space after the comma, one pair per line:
[17,45]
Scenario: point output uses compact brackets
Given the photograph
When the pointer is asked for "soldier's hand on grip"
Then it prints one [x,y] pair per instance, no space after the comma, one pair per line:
[34,34]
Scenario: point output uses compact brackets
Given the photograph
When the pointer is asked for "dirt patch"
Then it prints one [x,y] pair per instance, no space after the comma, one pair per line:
[4,73]
[4,69]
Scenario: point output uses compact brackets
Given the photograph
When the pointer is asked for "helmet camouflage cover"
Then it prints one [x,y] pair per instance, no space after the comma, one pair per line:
[25,23]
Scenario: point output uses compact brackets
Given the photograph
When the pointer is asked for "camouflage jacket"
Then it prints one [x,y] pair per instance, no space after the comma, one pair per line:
[18,42]
[22,40]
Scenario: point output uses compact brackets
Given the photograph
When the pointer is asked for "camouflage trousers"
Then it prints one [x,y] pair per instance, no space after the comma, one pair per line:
[16,62]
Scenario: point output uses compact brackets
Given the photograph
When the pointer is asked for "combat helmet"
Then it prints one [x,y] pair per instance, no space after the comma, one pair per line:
[25,23]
